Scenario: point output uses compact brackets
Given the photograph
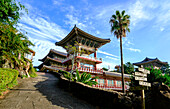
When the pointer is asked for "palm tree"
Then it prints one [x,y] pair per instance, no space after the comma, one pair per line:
[119,25]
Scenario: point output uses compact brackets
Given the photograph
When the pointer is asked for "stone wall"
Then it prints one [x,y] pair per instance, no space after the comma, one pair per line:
[156,98]
[99,97]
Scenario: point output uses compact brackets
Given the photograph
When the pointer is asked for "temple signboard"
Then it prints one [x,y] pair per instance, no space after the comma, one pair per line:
[140,78]
[144,83]
[140,74]
[144,70]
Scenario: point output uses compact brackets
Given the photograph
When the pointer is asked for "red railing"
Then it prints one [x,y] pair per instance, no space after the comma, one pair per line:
[109,87]
[90,69]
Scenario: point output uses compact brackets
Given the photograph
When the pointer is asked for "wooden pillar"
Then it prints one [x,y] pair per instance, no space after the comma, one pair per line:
[115,83]
[95,67]
[78,64]
[67,67]
[143,98]
[95,53]
[67,55]
[95,56]
[105,80]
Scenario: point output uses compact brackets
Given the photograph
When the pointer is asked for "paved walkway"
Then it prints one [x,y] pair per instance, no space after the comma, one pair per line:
[41,92]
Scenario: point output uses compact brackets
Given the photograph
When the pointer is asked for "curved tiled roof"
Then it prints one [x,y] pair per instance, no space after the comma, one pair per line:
[116,74]
[149,60]
[77,31]
[53,51]
[47,59]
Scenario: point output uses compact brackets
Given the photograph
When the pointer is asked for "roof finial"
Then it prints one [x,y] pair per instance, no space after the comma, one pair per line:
[75,25]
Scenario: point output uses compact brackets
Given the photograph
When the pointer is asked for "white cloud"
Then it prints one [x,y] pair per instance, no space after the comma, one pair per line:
[42,28]
[108,65]
[112,58]
[58,2]
[103,52]
[42,48]
[97,32]
[138,12]
[74,20]
[133,49]
[161,28]
[43,34]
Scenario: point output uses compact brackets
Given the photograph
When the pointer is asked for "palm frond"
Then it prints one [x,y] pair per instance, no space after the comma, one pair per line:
[114,17]
[123,12]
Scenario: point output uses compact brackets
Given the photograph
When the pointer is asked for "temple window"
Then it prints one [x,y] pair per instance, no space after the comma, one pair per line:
[101,81]
[88,42]
[83,41]
[110,83]
[92,43]
[119,83]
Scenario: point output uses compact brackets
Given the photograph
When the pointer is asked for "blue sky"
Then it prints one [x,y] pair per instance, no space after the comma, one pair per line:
[49,21]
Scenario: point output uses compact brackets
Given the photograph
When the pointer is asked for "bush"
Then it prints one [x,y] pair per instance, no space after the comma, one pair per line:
[32,71]
[157,76]
[8,79]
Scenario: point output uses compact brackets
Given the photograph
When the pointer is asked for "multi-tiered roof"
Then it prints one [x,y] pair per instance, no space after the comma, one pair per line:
[86,41]
[148,62]
[52,58]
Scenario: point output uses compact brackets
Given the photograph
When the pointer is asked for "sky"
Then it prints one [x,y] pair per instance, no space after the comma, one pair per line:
[49,21]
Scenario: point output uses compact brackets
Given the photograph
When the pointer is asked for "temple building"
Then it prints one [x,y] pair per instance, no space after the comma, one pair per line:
[148,62]
[85,58]
[52,61]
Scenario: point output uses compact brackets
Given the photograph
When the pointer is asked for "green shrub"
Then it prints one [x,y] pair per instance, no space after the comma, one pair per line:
[8,78]
[84,77]
[32,71]
[157,76]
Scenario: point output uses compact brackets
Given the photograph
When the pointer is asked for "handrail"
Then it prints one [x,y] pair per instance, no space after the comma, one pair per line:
[90,69]
[89,57]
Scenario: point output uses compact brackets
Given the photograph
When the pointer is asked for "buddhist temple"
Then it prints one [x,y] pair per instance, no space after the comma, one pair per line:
[149,62]
[85,59]
[52,61]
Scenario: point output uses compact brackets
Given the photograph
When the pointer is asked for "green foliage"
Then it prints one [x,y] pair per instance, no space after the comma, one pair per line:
[65,74]
[105,69]
[156,75]
[13,44]
[8,78]
[84,77]
[32,71]
[128,68]
[166,69]
[120,24]
[10,11]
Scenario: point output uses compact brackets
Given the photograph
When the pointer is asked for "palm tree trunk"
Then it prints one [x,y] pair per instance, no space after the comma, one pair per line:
[122,66]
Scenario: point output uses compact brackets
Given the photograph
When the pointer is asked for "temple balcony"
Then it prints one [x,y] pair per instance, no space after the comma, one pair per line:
[83,57]
[110,87]
[88,69]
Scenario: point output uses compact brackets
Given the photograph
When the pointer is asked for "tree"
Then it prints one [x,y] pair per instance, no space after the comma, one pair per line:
[156,75]
[128,68]
[10,11]
[119,26]
[105,69]
[166,69]
[14,44]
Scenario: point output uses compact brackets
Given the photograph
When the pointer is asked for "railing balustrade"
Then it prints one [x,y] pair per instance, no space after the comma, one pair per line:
[109,87]
[89,57]
[90,69]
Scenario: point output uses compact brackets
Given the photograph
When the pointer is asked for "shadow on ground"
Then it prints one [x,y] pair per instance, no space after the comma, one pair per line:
[50,89]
